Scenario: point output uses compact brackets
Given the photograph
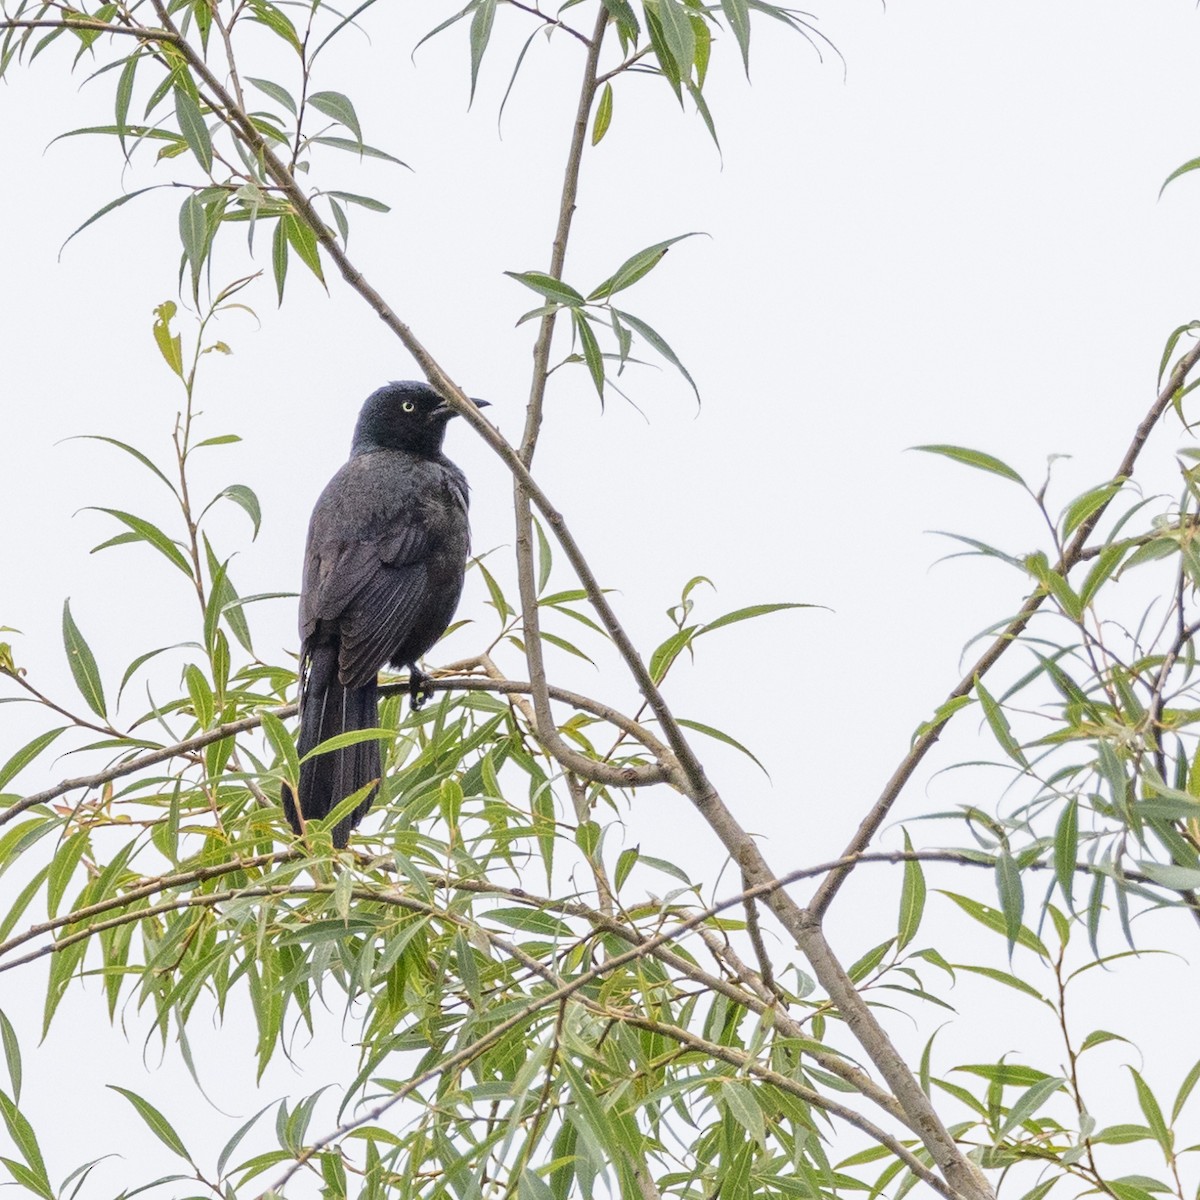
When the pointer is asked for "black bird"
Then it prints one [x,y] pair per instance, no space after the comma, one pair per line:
[383,571]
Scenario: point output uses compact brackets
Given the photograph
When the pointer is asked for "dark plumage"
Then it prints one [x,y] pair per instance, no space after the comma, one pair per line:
[383,571]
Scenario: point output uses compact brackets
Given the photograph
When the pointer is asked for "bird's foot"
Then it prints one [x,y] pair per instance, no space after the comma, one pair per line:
[418,688]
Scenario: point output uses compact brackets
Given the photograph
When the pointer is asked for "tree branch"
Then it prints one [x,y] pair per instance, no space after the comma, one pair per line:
[1071,556]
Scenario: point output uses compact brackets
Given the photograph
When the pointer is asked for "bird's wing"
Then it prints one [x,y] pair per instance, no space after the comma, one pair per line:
[358,527]
[379,619]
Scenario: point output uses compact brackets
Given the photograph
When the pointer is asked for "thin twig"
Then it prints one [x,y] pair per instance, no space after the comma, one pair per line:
[1072,555]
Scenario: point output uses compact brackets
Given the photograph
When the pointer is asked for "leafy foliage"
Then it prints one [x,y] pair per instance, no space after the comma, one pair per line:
[616,1027]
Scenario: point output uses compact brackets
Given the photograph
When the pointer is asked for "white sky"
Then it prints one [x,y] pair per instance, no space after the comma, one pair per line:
[959,240]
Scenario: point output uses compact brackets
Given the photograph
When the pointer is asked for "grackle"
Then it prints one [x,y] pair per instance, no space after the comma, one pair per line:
[383,571]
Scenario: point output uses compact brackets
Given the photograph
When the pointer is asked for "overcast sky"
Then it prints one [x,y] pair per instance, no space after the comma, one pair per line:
[953,235]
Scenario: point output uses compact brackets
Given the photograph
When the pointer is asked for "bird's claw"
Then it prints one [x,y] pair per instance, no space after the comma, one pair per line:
[418,689]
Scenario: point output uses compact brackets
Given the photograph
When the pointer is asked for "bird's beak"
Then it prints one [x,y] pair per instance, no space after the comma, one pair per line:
[445,410]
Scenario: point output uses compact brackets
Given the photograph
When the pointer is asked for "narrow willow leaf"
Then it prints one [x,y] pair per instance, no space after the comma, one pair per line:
[548,286]
[974,458]
[737,13]
[279,257]
[1029,1102]
[359,148]
[1185,1090]
[339,107]
[1190,165]
[272,18]
[279,94]
[362,201]
[635,267]
[193,233]
[481,32]
[1066,848]
[157,1123]
[994,920]
[912,899]
[101,212]
[147,532]
[626,861]
[1011,892]
[721,736]
[665,654]
[998,722]
[678,34]
[12,1056]
[591,350]
[170,345]
[245,498]
[22,1134]
[659,344]
[82,663]
[603,116]
[27,754]
[1148,1103]
[304,241]
[749,613]
[193,128]
[1085,506]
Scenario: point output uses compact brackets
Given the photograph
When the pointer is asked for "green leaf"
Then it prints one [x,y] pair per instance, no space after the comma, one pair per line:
[304,241]
[665,654]
[279,94]
[1185,1090]
[1029,1102]
[995,921]
[83,663]
[626,861]
[636,267]
[998,722]
[279,256]
[193,128]
[337,106]
[246,500]
[1085,506]
[101,212]
[1190,165]
[912,899]
[158,1124]
[548,286]
[12,1055]
[531,920]
[591,349]
[1012,896]
[603,116]
[1098,1037]
[193,233]
[272,18]
[974,458]
[22,1134]
[678,34]
[737,13]
[146,532]
[749,613]
[481,32]
[27,754]
[659,344]
[362,201]
[1066,847]
[169,345]
[1153,1114]
[720,736]
[359,148]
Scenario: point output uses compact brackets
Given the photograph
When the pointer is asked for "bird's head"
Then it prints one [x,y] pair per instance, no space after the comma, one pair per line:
[406,415]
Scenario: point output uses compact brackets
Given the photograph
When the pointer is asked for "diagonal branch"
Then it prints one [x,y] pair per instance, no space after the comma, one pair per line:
[1072,555]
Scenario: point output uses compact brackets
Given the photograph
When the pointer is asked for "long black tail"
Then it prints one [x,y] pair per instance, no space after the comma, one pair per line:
[327,709]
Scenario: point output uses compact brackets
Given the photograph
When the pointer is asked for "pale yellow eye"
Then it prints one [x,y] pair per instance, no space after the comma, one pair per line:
[408,406]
